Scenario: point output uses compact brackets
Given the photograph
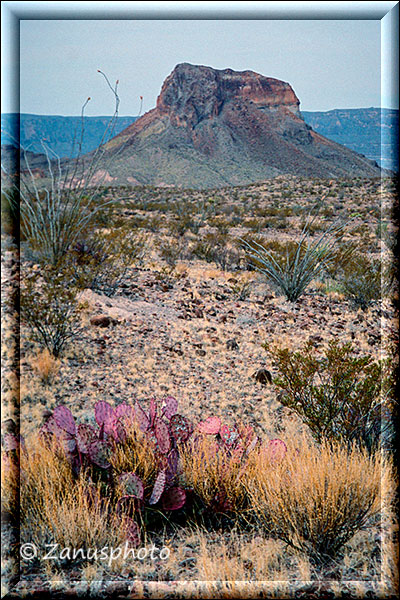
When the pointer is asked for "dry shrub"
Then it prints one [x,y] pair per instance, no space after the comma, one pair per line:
[45,365]
[49,307]
[100,260]
[318,497]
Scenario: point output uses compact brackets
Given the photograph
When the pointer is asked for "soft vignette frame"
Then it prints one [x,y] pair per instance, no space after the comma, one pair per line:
[386,12]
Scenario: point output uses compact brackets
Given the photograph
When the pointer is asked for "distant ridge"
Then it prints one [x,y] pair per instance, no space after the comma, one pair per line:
[360,129]
[58,132]
[373,132]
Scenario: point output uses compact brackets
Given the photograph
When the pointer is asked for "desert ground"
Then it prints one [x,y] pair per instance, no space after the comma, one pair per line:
[190,318]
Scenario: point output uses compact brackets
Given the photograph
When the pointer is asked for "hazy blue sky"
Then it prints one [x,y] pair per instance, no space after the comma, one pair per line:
[329,63]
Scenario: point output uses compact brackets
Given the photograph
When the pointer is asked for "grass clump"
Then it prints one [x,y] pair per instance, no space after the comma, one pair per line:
[45,365]
[214,475]
[318,497]
[56,506]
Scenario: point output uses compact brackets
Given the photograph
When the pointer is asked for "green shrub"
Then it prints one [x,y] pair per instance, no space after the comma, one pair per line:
[50,308]
[339,396]
[221,224]
[256,224]
[214,247]
[172,250]
[361,280]
[101,260]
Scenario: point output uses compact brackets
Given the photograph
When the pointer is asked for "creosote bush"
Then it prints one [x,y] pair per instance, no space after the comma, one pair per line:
[101,260]
[216,247]
[361,280]
[339,396]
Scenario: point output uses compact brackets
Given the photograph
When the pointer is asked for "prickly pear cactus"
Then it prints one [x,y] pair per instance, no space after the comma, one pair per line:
[170,406]
[64,419]
[131,485]
[221,502]
[132,532]
[99,454]
[124,411]
[11,442]
[172,466]
[85,434]
[119,432]
[104,414]
[162,434]
[181,428]
[229,436]
[158,488]
[51,431]
[141,418]
[152,411]
[173,498]
[211,425]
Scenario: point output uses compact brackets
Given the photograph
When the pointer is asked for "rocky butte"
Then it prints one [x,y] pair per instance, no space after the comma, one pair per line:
[214,127]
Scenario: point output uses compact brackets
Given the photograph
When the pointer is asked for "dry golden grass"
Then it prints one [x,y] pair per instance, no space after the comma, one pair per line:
[315,500]
[10,484]
[45,365]
[136,455]
[214,476]
[318,498]
[55,504]
[240,559]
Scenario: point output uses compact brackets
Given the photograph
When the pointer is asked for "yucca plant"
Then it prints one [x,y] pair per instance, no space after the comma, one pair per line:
[292,270]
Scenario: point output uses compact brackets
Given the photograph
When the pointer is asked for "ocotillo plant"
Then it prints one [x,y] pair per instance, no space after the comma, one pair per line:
[54,211]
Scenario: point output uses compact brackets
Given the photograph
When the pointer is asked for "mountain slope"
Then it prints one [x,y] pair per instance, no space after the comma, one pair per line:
[220,127]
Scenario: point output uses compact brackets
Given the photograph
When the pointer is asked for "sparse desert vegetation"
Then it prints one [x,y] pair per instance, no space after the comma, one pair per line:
[171,394]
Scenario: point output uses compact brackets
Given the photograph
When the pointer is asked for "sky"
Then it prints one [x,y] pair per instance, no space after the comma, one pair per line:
[329,63]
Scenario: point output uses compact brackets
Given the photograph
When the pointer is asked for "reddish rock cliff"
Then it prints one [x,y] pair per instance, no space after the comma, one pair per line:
[191,94]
